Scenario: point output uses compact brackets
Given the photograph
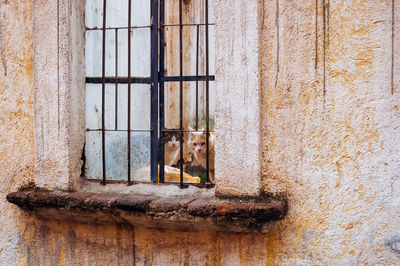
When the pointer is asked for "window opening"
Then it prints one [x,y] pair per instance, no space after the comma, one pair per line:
[149,91]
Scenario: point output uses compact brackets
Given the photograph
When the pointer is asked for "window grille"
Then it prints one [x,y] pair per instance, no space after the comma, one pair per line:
[143,59]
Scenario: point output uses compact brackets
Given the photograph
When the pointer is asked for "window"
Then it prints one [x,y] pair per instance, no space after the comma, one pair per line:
[59,84]
[150,91]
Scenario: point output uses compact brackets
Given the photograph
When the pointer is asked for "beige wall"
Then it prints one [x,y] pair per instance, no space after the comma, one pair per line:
[16,117]
[330,129]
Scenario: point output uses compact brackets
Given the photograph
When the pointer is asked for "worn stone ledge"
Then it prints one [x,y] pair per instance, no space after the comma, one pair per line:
[182,213]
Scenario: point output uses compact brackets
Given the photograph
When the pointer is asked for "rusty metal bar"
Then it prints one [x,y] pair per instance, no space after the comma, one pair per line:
[120,80]
[186,78]
[118,130]
[161,91]
[116,79]
[129,89]
[186,24]
[181,91]
[154,93]
[103,94]
[140,80]
[197,77]
[178,130]
[149,26]
[207,101]
[120,28]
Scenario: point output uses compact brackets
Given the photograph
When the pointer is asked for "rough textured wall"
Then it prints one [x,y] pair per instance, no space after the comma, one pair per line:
[59,243]
[237,145]
[16,116]
[331,128]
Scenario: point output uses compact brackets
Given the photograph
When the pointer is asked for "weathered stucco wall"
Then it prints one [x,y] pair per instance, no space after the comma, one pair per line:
[330,129]
[16,117]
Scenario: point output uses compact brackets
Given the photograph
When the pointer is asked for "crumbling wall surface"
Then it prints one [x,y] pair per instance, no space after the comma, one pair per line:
[16,117]
[330,126]
[63,243]
[330,78]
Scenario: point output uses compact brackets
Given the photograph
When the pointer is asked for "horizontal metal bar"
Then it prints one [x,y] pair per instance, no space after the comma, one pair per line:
[95,180]
[149,26]
[209,185]
[143,80]
[186,78]
[178,130]
[188,24]
[123,80]
[143,130]
[118,130]
[118,28]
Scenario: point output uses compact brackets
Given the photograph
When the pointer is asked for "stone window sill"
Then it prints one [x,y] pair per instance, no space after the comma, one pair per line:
[203,212]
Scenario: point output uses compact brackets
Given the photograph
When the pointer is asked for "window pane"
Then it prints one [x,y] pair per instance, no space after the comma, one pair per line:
[140,156]
[116,155]
[192,13]
[117,13]
[93,53]
[110,53]
[172,96]
[140,52]
[93,106]
[140,106]
[116,151]
[94,13]
[93,164]
[192,45]
[141,12]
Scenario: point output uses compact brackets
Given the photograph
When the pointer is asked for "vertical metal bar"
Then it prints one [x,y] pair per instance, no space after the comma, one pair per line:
[129,90]
[154,92]
[207,101]
[103,93]
[116,79]
[161,88]
[181,90]
[197,77]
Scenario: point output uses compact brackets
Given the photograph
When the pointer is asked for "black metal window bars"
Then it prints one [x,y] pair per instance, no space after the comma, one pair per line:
[157,81]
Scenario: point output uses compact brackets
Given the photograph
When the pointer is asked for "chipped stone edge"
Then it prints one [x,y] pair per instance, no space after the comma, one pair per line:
[179,213]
